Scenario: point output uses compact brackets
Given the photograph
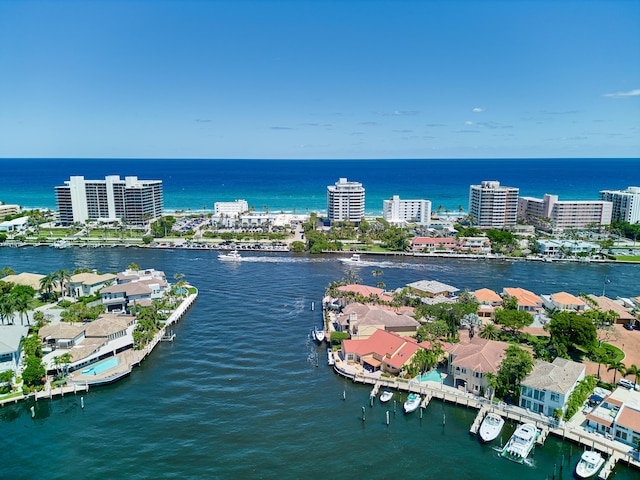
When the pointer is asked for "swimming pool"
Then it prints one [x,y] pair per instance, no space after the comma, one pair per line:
[432,376]
[100,367]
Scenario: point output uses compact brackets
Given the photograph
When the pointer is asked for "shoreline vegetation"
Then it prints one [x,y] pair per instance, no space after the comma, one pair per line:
[309,233]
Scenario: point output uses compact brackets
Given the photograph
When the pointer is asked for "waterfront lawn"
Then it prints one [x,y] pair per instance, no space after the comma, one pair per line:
[628,258]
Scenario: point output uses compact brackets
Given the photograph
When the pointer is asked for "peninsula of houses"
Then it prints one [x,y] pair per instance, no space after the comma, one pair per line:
[554,359]
[90,328]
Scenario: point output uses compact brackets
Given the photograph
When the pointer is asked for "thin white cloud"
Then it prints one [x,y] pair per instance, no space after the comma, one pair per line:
[631,93]
[468,122]
[478,110]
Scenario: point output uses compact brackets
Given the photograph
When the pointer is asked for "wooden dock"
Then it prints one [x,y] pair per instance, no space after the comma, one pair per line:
[609,466]
[425,401]
[475,426]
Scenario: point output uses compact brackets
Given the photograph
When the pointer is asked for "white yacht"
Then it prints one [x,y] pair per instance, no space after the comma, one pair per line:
[232,256]
[491,427]
[589,464]
[521,443]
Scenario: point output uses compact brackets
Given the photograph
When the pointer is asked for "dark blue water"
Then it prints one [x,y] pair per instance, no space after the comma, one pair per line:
[289,184]
[238,395]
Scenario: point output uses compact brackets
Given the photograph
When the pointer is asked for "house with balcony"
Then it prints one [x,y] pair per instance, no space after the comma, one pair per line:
[527,301]
[10,346]
[88,283]
[383,351]
[488,301]
[470,362]
[618,416]
[134,288]
[548,386]
[362,321]
[432,289]
[564,301]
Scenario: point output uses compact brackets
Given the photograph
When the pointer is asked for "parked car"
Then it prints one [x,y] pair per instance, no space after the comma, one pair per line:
[628,326]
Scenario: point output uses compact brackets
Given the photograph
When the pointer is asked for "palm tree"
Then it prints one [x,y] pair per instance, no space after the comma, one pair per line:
[633,370]
[6,308]
[616,366]
[48,283]
[62,277]
[21,305]
[7,271]
[377,272]
[489,331]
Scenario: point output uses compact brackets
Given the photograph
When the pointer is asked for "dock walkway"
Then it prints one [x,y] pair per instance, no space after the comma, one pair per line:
[616,451]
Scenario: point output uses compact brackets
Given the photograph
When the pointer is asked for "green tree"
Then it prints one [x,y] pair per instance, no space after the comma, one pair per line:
[34,371]
[513,319]
[573,330]
[617,367]
[632,370]
[515,366]
[489,331]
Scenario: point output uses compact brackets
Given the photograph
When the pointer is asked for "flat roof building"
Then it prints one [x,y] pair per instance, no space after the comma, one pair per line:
[133,201]
[549,213]
[345,202]
[626,204]
[493,205]
[400,212]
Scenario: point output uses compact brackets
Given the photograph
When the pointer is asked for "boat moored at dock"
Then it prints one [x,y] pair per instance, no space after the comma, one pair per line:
[521,443]
[491,427]
[589,464]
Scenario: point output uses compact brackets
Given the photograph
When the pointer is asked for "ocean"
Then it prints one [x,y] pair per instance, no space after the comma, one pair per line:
[300,185]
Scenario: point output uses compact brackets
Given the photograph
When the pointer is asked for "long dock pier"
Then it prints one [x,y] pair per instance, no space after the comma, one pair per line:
[615,451]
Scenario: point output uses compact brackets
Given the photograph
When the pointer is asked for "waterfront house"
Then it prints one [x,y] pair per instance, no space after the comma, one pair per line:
[27,279]
[488,301]
[134,288]
[432,289]
[432,244]
[564,301]
[548,386]
[527,301]
[365,291]
[10,345]
[362,321]
[382,351]
[606,304]
[87,342]
[561,248]
[87,283]
[16,225]
[470,362]
[618,416]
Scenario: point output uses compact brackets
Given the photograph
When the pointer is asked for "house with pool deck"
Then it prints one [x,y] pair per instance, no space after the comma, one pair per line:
[362,321]
[383,351]
[134,288]
[470,362]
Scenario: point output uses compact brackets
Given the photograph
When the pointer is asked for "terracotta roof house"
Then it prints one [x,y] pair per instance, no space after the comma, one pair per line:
[24,278]
[606,304]
[618,416]
[384,351]
[548,386]
[488,300]
[527,301]
[361,321]
[564,301]
[87,283]
[470,362]
[432,244]
[432,288]
[366,291]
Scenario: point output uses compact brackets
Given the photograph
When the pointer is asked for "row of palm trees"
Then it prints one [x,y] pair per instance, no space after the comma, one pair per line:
[623,370]
[53,280]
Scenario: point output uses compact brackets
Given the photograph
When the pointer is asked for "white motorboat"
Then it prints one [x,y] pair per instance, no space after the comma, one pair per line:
[589,464]
[330,356]
[386,396]
[318,334]
[355,258]
[521,443]
[232,256]
[491,427]
[412,403]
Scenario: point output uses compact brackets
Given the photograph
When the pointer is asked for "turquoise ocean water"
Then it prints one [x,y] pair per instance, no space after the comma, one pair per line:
[301,185]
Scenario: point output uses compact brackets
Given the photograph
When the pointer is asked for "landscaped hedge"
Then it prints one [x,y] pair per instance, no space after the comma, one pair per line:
[579,395]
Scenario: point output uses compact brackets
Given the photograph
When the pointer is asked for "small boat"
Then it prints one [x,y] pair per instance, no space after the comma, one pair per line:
[386,396]
[355,258]
[330,358]
[589,464]
[232,256]
[318,335]
[412,403]
[491,427]
[521,443]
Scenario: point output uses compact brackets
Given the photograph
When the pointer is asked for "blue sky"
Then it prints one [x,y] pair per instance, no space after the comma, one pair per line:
[319,79]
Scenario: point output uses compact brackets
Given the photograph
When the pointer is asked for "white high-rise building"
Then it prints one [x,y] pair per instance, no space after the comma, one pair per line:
[133,201]
[396,211]
[492,205]
[626,204]
[345,202]
[231,209]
